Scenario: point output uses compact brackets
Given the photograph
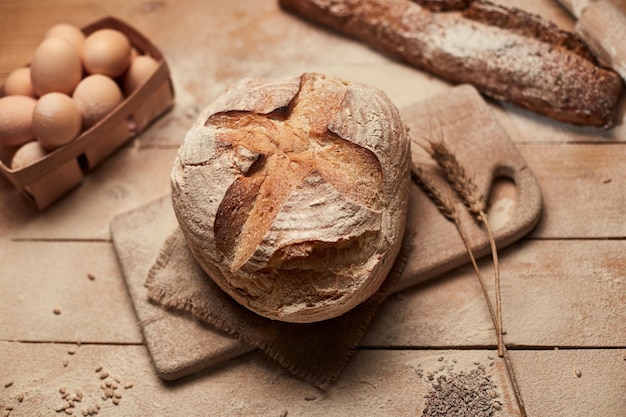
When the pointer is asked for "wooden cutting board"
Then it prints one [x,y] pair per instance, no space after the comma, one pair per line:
[181,345]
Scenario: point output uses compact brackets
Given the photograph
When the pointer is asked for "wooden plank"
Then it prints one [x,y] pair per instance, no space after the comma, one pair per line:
[554,293]
[551,386]
[376,383]
[39,278]
[582,189]
[581,181]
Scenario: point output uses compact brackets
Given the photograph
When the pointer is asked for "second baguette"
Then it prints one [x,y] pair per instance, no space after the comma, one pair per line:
[539,75]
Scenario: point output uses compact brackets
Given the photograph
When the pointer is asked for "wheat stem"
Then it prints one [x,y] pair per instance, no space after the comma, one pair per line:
[496,269]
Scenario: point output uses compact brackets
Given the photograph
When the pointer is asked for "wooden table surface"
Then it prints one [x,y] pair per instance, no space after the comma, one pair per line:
[564,285]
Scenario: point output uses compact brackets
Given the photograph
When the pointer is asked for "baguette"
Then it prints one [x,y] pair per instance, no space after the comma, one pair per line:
[293,194]
[505,53]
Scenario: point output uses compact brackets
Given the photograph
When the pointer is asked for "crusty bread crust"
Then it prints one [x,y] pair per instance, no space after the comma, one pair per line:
[505,53]
[293,194]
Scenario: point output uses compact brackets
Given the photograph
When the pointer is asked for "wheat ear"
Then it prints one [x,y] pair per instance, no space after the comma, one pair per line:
[467,190]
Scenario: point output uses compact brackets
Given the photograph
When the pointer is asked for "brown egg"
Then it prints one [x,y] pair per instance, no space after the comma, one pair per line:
[55,67]
[56,120]
[27,154]
[106,51]
[139,71]
[16,114]
[96,96]
[18,83]
[68,32]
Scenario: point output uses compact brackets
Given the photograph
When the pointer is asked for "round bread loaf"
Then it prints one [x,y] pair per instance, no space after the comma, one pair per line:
[293,193]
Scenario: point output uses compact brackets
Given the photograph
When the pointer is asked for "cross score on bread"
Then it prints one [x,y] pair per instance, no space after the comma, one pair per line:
[292,194]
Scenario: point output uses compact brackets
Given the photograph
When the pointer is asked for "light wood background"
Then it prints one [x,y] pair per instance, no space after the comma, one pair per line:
[564,286]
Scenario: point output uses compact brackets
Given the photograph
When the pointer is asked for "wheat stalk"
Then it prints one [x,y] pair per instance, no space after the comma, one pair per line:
[447,208]
[467,190]
[465,187]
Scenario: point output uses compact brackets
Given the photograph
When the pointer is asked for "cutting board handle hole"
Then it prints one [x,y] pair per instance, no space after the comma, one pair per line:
[502,201]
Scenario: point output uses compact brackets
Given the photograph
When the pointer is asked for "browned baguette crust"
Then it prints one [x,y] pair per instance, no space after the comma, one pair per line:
[527,24]
[534,65]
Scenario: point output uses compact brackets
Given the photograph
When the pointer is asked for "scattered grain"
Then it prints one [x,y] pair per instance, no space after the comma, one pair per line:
[63,390]
[128,385]
[56,311]
[71,351]
[116,401]
[99,368]
[578,372]
[104,375]
[20,397]
[493,393]
[310,398]
[8,384]
[7,413]
[460,394]
[91,276]
[8,407]
[85,412]
[497,406]
[69,411]
[117,395]
[65,363]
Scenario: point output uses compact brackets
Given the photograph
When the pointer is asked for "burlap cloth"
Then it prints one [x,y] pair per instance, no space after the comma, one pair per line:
[315,352]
